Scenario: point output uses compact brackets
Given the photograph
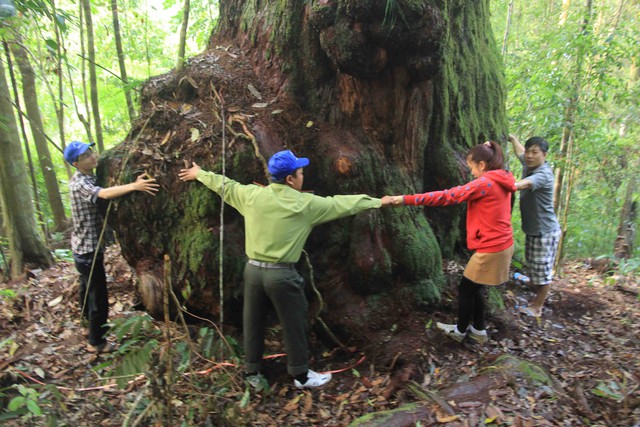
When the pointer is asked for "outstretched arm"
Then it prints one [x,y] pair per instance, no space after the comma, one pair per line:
[517,147]
[387,200]
[189,174]
[148,186]
[394,201]
[524,184]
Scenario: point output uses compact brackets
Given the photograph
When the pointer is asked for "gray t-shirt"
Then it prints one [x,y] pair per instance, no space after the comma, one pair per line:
[536,203]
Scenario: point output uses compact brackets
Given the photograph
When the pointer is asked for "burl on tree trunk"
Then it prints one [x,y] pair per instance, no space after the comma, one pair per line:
[383,97]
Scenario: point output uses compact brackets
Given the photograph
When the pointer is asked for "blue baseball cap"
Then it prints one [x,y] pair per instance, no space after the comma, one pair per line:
[285,163]
[73,150]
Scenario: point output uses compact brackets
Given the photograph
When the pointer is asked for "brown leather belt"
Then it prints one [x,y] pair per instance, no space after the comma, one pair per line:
[271,264]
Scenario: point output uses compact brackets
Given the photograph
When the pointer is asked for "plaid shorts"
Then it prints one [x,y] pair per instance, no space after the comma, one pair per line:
[540,252]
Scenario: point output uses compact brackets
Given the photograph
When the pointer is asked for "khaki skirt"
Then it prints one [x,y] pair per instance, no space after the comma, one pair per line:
[489,268]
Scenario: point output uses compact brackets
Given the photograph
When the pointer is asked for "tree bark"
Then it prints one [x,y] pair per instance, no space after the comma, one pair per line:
[121,63]
[183,34]
[27,149]
[30,96]
[93,79]
[382,101]
[623,246]
[26,246]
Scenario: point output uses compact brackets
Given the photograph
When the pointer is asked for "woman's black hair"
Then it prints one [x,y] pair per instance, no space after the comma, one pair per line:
[490,152]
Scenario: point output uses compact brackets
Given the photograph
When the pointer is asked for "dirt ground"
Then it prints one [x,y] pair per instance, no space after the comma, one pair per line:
[587,342]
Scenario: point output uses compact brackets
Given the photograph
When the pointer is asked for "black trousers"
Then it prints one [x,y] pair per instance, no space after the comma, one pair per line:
[471,305]
[94,299]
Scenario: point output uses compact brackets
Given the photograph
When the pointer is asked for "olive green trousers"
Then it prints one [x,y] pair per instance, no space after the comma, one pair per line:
[282,288]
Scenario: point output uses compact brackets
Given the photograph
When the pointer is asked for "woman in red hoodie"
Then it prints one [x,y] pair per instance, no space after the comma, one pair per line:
[489,234]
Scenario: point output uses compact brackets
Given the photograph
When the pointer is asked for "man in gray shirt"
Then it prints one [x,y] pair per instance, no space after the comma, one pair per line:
[539,221]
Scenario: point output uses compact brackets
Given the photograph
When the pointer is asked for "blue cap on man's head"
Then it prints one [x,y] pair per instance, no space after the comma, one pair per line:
[285,163]
[73,150]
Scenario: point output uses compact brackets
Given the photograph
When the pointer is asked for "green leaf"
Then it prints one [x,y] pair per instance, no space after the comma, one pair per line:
[52,45]
[16,403]
[34,408]
[245,398]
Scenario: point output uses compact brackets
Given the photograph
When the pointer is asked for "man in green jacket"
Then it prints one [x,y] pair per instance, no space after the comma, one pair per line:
[278,220]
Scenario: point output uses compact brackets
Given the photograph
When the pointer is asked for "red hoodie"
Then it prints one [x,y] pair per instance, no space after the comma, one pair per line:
[488,211]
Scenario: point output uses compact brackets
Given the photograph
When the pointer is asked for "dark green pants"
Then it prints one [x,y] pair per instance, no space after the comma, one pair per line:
[282,288]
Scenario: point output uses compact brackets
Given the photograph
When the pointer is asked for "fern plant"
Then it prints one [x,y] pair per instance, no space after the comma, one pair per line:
[139,340]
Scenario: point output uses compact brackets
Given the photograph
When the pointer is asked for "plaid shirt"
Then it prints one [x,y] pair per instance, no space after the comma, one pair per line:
[84,211]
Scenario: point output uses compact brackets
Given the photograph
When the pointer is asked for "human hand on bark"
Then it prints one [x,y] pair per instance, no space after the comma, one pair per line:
[149,186]
[189,174]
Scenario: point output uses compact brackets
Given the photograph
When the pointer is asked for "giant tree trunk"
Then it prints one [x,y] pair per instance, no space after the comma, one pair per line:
[37,129]
[25,244]
[383,101]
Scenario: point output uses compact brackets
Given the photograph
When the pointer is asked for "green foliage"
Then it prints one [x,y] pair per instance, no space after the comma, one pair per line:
[40,404]
[494,297]
[63,255]
[629,267]
[26,403]
[135,360]
[610,390]
[135,354]
[7,294]
[551,59]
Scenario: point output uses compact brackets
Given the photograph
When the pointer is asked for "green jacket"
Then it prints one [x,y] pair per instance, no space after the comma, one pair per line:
[278,219]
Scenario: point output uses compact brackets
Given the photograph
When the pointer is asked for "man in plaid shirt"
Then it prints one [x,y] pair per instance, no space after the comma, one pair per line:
[85,243]
[539,221]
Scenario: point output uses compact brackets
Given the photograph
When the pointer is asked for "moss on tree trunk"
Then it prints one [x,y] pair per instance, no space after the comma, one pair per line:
[383,97]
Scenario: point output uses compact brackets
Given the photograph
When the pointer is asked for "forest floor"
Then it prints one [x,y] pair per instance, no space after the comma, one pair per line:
[587,342]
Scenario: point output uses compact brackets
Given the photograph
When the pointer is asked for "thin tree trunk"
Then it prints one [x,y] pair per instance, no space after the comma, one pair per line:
[26,246]
[567,199]
[183,34]
[30,96]
[83,68]
[623,246]
[570,112]
[27,149]
[567,134]
[123,68]
[43,72]
[60,103]
[566,5]
[93,79]
[505,38]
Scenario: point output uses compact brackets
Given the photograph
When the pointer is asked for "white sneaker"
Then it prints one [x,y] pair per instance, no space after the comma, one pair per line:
[479,336]
[314,379]
[451,331]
